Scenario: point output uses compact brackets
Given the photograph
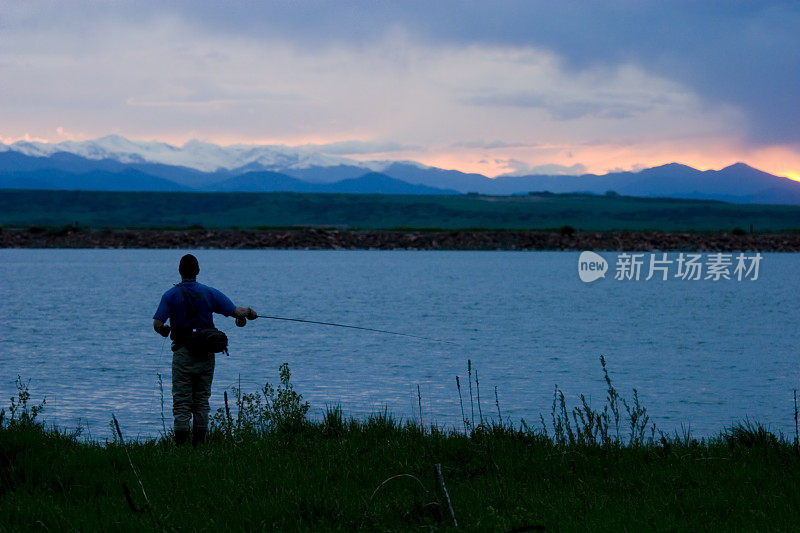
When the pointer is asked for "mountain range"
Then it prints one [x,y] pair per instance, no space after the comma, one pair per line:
[114,163]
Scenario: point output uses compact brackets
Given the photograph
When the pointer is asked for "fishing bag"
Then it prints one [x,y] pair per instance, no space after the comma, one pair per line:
[208,340]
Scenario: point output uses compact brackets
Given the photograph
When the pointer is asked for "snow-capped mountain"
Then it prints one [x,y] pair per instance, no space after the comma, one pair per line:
[195,154]
[116,163]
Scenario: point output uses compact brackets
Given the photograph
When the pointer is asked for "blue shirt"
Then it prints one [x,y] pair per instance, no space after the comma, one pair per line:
[193,309]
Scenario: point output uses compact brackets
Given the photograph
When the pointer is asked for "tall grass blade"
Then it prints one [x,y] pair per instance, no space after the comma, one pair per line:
[440,479]
[796,435]
[497,403]
[419,402]
[469,378]
[478,389]
[130,462]
[461,403]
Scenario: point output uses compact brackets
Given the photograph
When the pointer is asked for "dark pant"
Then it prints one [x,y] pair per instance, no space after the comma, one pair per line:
[191,388]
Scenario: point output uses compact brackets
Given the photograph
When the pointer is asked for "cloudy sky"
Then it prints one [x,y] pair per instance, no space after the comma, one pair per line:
[491,87]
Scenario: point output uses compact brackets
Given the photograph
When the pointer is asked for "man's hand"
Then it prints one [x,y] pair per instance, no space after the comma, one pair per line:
[245,312]
[161,328]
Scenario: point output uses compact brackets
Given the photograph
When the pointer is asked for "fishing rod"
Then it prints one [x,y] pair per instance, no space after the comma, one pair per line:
[353,327]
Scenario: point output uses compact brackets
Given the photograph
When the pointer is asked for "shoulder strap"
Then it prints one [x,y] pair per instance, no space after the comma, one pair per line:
[190,304]
[189,301]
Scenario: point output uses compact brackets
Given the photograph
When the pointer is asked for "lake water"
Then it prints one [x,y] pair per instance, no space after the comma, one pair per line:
[702,354]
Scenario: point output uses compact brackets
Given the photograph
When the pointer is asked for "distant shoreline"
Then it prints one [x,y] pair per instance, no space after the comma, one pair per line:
[314,238]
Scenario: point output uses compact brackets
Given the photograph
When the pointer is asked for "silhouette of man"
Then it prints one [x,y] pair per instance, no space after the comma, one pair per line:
[189,307]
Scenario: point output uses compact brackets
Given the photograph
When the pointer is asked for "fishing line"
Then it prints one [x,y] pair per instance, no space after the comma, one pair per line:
[154,398]
[355,327]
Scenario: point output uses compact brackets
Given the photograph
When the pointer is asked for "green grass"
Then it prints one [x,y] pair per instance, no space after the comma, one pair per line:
[20,208]
[259,472]
[325,479]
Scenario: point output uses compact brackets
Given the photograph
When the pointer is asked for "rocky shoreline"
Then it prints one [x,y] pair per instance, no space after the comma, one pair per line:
[312,238]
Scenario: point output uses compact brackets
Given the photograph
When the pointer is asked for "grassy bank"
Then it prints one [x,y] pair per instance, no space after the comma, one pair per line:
[22,208]
[266,467]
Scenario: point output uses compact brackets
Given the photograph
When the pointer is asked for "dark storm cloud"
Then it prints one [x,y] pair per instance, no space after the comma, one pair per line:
[745,54]
[559,110]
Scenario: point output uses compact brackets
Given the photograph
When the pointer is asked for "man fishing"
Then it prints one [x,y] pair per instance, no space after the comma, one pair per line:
[189,307]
